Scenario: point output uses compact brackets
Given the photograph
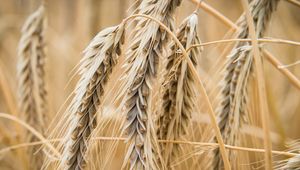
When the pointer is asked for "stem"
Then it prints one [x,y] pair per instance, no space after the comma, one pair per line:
[263,106]
[295,2]
[262,40]
[32,130]
[215,13]
[105,138]
[273,60]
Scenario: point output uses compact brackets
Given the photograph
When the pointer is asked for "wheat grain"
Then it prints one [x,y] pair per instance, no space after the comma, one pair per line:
[178,90]
[232,112]
[99,59]
[292,164]
[31,74]
[148,42]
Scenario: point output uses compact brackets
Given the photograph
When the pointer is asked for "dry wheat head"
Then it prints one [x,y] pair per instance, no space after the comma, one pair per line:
[99,59]
[31,75]
[231,111]
[178,90]
[147,44]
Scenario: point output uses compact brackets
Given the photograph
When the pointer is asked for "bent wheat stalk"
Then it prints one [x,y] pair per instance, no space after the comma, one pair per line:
[143,57]
[31,74]
[231,111]
[99,59]
[178,89]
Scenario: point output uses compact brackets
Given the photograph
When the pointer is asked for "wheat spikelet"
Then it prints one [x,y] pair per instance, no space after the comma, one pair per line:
[147,44]
[178,90]
[232,110]
[99,59]
[32,92]
[292,164]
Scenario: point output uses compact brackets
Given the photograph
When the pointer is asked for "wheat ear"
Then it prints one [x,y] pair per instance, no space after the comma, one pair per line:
[232,112]
[292,164]
[99,59]
[143,57]
[32,92]
[178,89]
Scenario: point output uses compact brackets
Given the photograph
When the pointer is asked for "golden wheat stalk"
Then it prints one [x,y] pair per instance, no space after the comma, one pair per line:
[143,57]
[99,59]
[178,89]
[31,74]
[232,112]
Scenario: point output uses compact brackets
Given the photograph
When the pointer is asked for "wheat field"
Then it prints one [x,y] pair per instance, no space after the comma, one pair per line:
[149,84]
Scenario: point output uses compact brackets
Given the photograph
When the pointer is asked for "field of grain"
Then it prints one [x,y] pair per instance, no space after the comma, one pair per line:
[149,84]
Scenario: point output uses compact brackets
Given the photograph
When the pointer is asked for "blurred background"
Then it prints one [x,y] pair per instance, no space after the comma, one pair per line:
[73,23]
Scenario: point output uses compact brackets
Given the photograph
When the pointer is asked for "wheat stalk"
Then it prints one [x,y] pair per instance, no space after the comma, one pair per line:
[178,90]
[272,59]
[232,112]
[143,57]
[32,92]
[99,59]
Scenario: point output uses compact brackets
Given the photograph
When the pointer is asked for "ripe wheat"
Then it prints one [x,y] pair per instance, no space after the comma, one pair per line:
[100,57]
[293,163]
[232,112]
[178,91]
[31,74]
[143,57]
